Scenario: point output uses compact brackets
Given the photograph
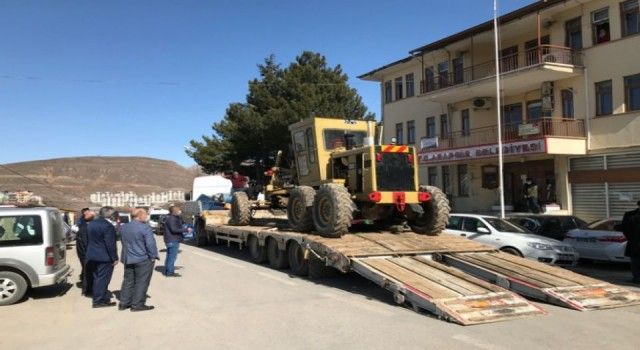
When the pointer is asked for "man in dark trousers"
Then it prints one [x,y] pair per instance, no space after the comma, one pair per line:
[86,215]
[102,256]
[139,253]
[630,227]
[173,230]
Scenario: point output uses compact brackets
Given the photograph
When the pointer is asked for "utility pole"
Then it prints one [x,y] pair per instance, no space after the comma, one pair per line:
[498,108]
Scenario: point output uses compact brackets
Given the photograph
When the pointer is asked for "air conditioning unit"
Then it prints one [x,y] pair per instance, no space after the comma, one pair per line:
[481,103]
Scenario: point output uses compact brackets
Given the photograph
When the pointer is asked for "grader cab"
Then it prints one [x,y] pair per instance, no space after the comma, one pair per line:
[342,177]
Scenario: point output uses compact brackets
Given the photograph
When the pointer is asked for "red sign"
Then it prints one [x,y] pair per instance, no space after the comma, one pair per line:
[484,151]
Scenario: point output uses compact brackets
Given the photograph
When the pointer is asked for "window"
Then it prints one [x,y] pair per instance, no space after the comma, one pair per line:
[632,92]
[567,103]
[388,97]
[472,224]
[534,110]
[512,114]
[465,122]
[443,74]
[432,176]
[455,223]
[509,59]
[311,145]
[399,134]
[600,26]
[604,98]
[411,132]
[573,33]
[458,70]
[464,181]
[398,88]
[335,138]
[431,127]
[20,230]
[429,80]
[444,126]
[300,147]
[630,16]
[446,179]
[408,80]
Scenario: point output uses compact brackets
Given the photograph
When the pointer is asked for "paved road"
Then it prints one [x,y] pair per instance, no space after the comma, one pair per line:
[225,302]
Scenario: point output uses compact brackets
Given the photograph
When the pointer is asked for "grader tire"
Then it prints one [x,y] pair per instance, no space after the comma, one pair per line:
[240,209]
[332,210]
[435,214]
[299,208]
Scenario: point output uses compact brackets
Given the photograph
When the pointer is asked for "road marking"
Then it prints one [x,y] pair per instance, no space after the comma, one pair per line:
[278,279]
[474,342]
[214,258]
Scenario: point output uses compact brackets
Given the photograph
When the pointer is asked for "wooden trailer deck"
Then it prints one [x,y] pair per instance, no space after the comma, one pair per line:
[452,277]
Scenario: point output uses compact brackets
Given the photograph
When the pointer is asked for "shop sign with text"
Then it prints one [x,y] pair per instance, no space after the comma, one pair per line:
[484,151]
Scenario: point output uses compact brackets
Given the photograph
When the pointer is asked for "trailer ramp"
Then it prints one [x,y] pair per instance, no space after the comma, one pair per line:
[542,282]
[442,290]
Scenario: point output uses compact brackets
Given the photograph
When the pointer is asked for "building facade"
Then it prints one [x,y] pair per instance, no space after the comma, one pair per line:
[131,199]
[570,74]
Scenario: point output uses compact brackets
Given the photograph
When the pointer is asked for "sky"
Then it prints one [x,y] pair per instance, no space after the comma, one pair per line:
[142,78]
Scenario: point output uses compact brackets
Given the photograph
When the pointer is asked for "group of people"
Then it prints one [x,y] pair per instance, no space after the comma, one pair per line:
[97,251]
[630,227]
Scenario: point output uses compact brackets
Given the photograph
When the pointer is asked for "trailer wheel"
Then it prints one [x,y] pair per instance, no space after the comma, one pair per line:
[333,210]
[276,256]
[240,209]
[435,214]
[298,264]
[299,208]
[12,287]
[257,252]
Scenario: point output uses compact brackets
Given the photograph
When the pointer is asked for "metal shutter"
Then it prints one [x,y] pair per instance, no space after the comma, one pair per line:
[623,160]
[587,163]
[589,201]
[623,197]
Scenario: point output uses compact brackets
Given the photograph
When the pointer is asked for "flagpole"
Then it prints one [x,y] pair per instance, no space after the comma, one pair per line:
[498,108]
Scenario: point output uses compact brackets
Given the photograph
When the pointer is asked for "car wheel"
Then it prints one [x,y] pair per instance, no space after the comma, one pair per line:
[512,251]
[12,287]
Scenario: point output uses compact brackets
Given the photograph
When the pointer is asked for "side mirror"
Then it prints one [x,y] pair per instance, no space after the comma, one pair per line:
[483,230]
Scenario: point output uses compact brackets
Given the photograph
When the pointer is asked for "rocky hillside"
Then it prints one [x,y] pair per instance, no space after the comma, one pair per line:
[68,182]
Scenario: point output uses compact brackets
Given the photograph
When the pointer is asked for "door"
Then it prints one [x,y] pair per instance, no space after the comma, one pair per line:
[509,59]
[533,53]
[511,118]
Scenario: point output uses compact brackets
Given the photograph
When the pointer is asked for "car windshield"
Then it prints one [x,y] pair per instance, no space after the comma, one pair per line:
[154,217]
[603,225]
[504,226]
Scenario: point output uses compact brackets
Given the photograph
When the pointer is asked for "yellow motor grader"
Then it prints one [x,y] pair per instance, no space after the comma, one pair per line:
[339,177]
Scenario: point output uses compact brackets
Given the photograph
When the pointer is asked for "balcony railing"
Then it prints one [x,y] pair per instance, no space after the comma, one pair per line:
[508,63]
[545,127]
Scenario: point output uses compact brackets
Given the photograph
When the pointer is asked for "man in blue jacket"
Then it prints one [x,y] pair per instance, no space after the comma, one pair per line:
[101,256]
[139,253]
[173,230]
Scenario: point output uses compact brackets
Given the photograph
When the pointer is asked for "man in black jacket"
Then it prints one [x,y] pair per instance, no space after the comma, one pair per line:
[630,227]
[173,230]
[102,256]
[86,215]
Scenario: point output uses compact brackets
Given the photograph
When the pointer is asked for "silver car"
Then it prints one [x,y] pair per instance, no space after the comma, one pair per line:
[599,241]
[32,251]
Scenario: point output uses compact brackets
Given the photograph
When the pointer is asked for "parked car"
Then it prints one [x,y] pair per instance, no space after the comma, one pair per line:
[32,251]
[551,226]
[124,218]
[599,241]
[154,217]
[159,229]
[511,239]
[69,233]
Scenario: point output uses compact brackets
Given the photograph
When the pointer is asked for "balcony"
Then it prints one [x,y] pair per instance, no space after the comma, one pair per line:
[543,136]
[520,72]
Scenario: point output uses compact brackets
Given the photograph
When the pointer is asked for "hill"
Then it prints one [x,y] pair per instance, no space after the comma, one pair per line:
[68,182]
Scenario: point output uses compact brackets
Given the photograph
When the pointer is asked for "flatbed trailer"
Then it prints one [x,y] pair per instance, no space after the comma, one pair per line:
[446,275]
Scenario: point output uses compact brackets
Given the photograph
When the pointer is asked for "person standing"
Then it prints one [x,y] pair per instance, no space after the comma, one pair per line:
[532,196]
[630,227]
[139,253]
[86,215]
[173,230]
[102,256]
